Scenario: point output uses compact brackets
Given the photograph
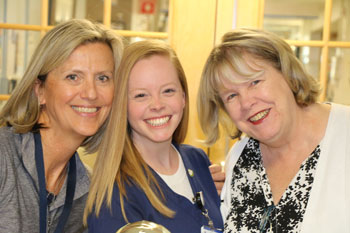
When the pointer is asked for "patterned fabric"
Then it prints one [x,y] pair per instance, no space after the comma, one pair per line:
[252,203]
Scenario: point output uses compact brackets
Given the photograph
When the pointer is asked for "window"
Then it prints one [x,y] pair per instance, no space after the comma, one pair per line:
[24,22]
[319,32]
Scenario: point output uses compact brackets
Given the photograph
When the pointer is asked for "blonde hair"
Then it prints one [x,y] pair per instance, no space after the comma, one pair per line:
[118,160]
[22,110]
[228,58]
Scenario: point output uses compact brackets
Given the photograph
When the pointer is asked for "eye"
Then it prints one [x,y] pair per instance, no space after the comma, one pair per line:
[169,91]
[230,96]
[72,77]
[103,78]
[255,82]
[140,95]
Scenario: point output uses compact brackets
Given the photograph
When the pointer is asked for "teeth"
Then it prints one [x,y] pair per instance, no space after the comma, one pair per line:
[259,116]
[84,109]
[158,121]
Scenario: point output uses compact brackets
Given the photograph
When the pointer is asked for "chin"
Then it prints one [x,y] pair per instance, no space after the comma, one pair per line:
[161,139]
[87,133]
[267,138]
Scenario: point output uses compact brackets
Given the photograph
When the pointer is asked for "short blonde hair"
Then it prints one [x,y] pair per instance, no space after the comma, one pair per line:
[22,110]
[228,57]
[118,160]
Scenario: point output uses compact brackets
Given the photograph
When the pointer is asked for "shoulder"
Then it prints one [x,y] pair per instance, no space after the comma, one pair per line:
[338,128]
[193,153]
[340,110]
[339,119]
[238,146]
[235,152]
[6,136]
[191,150]
[10,143]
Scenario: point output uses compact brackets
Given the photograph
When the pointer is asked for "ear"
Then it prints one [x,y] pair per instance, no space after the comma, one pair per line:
[39,92]
[183,99]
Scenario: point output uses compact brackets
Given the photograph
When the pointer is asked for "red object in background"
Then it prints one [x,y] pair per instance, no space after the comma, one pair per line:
[147,6]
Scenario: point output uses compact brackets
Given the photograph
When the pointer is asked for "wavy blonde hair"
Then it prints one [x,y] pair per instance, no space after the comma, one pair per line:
[22,110]
[118,161]
[228,57]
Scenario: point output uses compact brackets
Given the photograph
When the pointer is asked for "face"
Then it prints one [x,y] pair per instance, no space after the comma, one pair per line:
[155,100]
[77,95]
[263,107]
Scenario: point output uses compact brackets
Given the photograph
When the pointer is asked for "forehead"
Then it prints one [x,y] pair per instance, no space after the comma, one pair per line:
[94,54]
[156,69]
[92,48]
[87,58]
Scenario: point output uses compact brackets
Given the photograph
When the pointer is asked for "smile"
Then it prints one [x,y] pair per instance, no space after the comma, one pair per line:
[158,121]
[85,109]
[259,116]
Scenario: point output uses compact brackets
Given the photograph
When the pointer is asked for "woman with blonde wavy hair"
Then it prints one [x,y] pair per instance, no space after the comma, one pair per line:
[142,171]
[289,170]
[61,103]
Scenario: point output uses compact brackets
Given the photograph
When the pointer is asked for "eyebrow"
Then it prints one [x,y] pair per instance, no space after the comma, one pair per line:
[78,71]
[162,86]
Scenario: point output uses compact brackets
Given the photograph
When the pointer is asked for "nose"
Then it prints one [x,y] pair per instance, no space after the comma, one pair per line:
[157,103]
[89,90]
[246,100]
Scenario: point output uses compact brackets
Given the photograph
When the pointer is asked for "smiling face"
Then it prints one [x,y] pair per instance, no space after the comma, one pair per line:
[155,100]
[77,95]
[262,107]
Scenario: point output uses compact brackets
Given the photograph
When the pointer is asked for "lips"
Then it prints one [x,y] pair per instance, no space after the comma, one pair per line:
[259,116]
[158,121]
[85,109]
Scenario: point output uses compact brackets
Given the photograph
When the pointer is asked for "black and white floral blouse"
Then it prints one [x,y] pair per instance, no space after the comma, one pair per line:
[252,208]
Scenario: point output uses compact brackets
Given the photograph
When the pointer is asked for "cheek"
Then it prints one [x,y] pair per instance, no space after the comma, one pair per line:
[57,97]
[62,92]
[107,94]
[134,111]
[178,103]
[232,111]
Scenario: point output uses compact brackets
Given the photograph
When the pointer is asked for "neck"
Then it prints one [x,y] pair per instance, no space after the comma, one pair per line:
[57,152]
[307,130]
[162,157]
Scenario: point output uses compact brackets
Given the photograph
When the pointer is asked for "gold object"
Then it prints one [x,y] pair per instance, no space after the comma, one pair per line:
[190,172]
[143,227]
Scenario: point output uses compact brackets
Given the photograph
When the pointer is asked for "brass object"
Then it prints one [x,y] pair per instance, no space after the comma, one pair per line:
[143,227]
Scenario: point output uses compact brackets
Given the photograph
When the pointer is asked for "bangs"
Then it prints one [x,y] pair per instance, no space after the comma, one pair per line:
[234,69]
